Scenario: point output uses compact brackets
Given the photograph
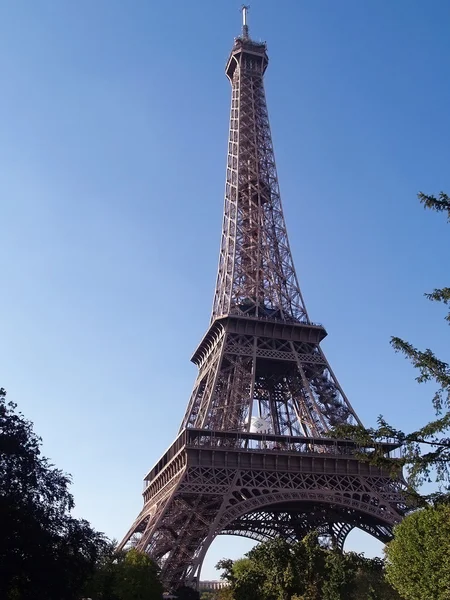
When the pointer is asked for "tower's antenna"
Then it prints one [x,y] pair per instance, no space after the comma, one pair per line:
[244,21]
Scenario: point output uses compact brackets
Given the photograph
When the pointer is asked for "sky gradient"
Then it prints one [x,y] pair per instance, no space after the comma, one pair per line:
[114,121]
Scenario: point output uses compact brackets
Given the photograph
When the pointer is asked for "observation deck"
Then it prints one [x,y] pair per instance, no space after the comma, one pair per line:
[203,446]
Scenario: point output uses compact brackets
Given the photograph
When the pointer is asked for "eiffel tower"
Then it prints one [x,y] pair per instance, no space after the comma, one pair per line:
[252,457]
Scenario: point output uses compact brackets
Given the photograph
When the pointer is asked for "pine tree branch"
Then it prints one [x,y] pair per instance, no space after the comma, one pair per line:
[433,460]
[440,295]
[441,204]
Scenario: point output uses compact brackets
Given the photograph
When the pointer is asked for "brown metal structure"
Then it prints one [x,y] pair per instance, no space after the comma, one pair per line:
[251,457]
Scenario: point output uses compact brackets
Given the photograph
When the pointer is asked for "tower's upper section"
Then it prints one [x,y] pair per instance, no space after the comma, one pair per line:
[255,52]
[256,276]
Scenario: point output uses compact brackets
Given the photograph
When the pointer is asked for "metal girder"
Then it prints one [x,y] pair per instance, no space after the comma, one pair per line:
[256,274]
[288,383]
[244,485]
[260,357]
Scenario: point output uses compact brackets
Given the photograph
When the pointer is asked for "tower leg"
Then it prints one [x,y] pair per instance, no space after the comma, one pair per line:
[258,493]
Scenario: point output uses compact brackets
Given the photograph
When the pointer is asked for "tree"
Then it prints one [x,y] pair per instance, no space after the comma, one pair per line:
[418,558]
[224,594]
[368,581]
[279,567]
[130,575]
[244,576]
[138,578]
[185,592]
[207,595]
[102,585]
[311,561]
[426,452]
[304,570]
[341,571]
[45,553]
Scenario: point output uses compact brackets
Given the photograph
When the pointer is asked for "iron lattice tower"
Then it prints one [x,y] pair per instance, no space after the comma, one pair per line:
[251,457]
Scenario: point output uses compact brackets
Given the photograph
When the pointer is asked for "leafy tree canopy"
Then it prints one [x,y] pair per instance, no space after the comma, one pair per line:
[45,553]
[185,592]
[130,575]
[278,570]
[418,558]
[137,577]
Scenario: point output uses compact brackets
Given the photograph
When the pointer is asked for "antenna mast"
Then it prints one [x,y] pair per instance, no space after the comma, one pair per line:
[245,9]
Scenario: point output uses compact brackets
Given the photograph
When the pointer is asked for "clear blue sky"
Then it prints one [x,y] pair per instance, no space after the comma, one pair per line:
[114,120]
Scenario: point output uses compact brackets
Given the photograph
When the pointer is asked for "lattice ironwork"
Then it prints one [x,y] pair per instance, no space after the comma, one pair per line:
[283,381]
[251,457]
[259,486]
[256,274]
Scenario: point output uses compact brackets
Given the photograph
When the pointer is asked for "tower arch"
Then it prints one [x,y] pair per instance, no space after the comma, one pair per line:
[253,455]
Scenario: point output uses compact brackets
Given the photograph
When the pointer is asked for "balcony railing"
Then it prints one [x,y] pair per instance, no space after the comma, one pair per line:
[261,442]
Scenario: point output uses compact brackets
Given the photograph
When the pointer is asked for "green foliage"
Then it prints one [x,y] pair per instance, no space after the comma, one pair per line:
[185,592]
[208,596]
[426,452]
[102,584]
[274,562]
[226,565]
[224,594]
[418,559]
[341,571]
[278,570]
[138,578]
[45,553]
[244,577]
[440,204]
[442,295]
[369,581]
[128,575]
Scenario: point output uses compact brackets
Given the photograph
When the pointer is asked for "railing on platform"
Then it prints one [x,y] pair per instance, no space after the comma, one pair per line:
[262,442]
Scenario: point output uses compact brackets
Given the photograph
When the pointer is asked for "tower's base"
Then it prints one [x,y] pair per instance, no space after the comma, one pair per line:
[259,486]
